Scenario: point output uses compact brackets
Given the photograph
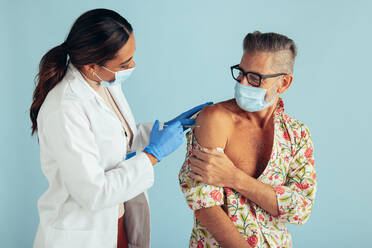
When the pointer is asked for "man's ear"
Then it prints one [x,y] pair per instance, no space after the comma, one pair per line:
[285,83]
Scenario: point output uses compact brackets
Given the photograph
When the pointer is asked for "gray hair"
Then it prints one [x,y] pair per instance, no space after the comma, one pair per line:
[283,48]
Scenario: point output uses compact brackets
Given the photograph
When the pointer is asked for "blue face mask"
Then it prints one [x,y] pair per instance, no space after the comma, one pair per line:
[252,99]
[120,77]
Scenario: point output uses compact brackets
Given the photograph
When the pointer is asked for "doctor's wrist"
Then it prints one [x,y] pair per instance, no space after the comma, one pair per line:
[153,160]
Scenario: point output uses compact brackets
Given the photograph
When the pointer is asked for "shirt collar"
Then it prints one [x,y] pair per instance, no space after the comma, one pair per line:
[78,84]
[279,109]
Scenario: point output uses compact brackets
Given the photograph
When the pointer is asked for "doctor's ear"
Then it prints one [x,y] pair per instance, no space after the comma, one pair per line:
[91,68]
[286,81]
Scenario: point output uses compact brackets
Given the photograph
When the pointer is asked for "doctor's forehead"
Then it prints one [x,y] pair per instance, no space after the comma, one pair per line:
[125,53]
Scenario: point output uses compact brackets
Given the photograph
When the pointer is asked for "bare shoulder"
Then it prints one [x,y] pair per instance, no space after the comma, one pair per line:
[215,126]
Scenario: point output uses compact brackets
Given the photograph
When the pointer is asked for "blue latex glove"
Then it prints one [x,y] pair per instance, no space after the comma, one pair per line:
[164,142]
[184,117]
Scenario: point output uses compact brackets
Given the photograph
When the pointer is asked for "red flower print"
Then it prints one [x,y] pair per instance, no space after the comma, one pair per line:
[252,212]
[216,195]
[303,134]
[190,206]
[200,244]
[227,190]
[234,218]
[276,176]
[252,240]
[295,134]
[281,212]
[280,103]
[188,162]
[302,186]
[198,202]
[293,152]
[242,200]
[286,135]
[260,217]
[184,186]
[270,178]
[311,161]
[314,176]
[280,107]
[279,190]
[296,217]
[308,152]
[233,202]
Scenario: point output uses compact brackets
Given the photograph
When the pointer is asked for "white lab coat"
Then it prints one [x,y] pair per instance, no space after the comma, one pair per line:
[82,152]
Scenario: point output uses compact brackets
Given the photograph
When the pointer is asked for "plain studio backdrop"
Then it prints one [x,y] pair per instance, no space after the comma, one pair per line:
[184,51]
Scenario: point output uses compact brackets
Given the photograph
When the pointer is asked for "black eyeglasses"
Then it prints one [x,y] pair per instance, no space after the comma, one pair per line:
[253,78]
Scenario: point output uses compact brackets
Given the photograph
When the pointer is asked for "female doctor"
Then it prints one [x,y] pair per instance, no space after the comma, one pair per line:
[86,129]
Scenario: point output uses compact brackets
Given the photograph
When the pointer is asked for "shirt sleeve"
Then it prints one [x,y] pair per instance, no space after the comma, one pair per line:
[296,197]
[198,195]
[68,138]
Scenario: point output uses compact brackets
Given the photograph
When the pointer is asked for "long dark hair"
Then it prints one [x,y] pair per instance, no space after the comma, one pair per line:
[94,38]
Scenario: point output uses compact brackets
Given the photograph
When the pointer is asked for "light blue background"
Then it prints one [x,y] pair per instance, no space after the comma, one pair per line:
[184,50]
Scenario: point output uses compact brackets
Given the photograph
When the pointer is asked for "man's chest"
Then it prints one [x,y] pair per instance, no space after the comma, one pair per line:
[250,149]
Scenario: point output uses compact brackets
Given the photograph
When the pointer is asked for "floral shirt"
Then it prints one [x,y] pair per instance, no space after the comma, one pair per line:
[291,173]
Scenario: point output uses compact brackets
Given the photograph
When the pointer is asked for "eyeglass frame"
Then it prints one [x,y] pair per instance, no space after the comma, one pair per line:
[245,74]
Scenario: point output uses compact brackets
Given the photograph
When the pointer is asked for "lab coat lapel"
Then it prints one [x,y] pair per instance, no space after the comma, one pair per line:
[84,90]
[123,105]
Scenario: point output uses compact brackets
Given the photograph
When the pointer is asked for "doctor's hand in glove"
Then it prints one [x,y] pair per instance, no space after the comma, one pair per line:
[184,117]
[164,142]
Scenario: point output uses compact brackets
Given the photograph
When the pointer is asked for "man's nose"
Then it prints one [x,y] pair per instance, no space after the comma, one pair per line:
[244,80]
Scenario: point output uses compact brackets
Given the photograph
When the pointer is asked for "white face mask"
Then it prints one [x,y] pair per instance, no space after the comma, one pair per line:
[120,77]
[252,99]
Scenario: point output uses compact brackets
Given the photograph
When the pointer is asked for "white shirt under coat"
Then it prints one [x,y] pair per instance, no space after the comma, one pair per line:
[82,152]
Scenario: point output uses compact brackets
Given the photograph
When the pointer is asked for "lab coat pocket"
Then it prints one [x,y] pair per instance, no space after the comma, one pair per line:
[73,217]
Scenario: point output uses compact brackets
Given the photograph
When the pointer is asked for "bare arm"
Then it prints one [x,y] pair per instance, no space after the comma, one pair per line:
[213,132]
[217,169]
[260,193]
[220,226]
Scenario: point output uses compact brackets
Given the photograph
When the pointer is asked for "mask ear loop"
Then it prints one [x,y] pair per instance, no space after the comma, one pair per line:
[95,74]
[108,69]
[276,94]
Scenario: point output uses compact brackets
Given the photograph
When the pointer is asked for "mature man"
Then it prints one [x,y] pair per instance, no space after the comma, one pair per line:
[249,168]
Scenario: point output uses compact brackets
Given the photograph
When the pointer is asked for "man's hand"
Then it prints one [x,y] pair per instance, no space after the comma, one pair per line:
[212,167]
[215,168]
